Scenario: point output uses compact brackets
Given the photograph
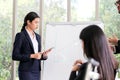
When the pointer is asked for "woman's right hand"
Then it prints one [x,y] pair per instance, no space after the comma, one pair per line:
[36,55]
[76,65]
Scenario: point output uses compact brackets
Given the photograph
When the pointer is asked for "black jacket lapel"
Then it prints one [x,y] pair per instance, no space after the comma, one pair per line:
[27,36]
[39,41]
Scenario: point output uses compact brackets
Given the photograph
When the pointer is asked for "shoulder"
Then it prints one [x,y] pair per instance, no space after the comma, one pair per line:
[84,65]
[19,34]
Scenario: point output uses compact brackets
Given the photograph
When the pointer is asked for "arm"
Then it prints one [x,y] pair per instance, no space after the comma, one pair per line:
[72,75]
[16,53]
[81,73]
[76,67]
[117,47]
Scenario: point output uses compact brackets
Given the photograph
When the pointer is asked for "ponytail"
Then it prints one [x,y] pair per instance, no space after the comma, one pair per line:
[23,27]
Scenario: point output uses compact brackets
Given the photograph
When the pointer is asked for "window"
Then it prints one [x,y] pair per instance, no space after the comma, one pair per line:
[55,11]
[82,10]
[5,38]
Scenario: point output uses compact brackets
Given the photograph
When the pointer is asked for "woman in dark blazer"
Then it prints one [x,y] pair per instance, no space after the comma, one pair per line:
[114,40]
[27,49]
[95,46]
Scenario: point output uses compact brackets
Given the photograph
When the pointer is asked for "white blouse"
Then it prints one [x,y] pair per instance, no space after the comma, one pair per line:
[34,41]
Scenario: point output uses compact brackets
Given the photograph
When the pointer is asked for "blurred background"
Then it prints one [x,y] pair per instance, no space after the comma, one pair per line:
[12,13]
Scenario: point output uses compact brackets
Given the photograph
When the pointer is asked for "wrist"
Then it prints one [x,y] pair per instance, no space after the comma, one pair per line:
[74,69]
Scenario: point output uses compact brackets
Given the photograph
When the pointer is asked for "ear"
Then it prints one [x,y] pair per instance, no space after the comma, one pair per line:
[28,22]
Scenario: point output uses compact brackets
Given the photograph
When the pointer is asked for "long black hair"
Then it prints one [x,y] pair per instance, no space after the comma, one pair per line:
[30,16]
[96,47]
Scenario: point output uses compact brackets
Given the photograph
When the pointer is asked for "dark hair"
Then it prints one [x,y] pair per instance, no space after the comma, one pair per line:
[96,47]
[117,2]
[30,16]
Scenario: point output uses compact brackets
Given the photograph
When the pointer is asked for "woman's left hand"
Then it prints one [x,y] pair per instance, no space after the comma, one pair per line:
[45,53]
[76,65]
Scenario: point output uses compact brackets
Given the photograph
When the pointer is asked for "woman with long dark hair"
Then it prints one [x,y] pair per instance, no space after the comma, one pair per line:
[95,46]
[27,49]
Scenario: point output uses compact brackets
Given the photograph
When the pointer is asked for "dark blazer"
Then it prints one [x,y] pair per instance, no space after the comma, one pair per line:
[23,48]
[117,48]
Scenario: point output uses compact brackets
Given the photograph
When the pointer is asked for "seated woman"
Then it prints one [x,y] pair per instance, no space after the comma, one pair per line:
[95,46]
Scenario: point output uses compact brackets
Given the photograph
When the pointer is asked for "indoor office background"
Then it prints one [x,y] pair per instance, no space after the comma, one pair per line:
[12,13]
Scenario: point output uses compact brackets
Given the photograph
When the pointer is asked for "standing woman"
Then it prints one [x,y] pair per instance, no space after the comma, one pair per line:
[27,49]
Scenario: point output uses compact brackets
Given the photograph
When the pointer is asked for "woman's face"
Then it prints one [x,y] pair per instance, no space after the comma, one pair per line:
[34,24]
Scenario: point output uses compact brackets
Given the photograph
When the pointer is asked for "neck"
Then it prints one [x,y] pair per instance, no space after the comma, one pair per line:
[30,30]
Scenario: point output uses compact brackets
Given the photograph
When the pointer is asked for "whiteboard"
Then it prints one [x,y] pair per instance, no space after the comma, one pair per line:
[64,37]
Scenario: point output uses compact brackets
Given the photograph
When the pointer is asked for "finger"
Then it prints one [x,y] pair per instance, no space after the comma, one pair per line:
[40,52]
[47,51]
[78,62]
[44,52]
